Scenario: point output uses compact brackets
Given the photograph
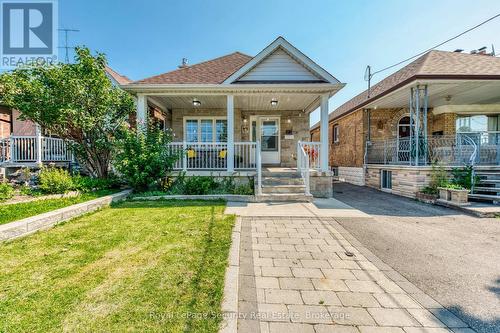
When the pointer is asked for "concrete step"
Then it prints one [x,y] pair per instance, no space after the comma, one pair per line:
[486,189]
[276,181]
[489,181]
[283,189]
[282,197]
[486,197]
[281,174]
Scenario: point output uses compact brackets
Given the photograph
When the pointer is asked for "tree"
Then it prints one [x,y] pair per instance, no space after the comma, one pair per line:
[76,102]
[142,157]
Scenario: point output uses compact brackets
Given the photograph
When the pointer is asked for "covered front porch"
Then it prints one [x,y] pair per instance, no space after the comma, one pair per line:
[243,130]
[451,123]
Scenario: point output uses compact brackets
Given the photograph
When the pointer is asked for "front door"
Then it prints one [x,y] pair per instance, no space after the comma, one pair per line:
[267,130]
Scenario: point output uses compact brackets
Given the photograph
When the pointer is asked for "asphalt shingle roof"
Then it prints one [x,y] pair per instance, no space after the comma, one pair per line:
[432,65]
[213,71]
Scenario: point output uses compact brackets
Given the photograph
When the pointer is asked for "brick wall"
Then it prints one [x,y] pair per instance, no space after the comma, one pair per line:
[349,151]
[22,127]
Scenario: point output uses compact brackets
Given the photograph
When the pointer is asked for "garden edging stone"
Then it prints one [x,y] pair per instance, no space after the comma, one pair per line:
[46,220]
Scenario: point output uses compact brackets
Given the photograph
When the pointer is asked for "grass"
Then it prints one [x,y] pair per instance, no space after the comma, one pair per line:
[135,267]
[14,212]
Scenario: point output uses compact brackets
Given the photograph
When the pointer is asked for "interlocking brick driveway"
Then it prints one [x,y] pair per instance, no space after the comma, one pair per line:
[309,275]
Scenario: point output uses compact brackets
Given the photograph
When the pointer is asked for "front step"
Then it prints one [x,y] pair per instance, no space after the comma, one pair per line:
[281,174]
[284,197]
[486,189]
[268,189]
[485,197]
[277,181]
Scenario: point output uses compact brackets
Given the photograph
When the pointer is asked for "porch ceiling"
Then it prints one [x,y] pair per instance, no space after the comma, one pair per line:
[445,92]
[244,102]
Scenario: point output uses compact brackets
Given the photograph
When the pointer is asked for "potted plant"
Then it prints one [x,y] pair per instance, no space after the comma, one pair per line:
[428,194]
[454,193]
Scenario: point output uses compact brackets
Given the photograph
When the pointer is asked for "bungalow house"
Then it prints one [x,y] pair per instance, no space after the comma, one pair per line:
[444,108]
[234,115]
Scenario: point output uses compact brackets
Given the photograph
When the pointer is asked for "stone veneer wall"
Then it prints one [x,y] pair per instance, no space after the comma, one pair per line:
[298,125]
[320,184]
[353,175]
[406,180]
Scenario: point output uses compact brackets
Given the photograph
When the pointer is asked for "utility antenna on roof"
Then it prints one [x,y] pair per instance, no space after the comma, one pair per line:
[368,77]
[493,50]
[66,47]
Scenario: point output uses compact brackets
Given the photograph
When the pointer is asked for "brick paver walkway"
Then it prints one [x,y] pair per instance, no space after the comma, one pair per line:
[309,275]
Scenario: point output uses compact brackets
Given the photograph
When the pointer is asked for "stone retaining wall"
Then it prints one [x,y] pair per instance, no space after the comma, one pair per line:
[44,221]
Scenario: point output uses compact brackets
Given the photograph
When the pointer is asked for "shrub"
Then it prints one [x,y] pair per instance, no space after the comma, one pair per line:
[429,190]
[463,177]
[199,185]
[88,184]
[55,180]
[143,159]
[439,177]
[244,189]
[6,191]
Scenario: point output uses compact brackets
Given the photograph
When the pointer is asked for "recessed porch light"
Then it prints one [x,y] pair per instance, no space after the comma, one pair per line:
[274,102]
[196,102]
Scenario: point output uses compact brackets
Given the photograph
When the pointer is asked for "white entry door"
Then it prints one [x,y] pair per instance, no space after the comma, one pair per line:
[267,130]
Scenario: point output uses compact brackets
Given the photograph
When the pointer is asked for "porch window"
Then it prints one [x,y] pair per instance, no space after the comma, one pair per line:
[205,130]
[386,179]
[335,133]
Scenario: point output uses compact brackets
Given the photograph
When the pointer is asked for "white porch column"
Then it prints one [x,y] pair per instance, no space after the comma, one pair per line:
[324,132]
[230,133]
[142,112]
[38,136]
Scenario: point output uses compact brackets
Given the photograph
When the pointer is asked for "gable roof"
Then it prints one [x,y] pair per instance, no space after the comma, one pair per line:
[293,52]
[213,71]
[434,64]
[120,79]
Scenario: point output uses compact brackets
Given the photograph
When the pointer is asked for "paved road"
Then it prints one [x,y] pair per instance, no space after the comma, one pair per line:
[452,257]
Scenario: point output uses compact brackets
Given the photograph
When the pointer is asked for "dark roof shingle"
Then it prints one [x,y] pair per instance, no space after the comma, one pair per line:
[213,71]
[434,64]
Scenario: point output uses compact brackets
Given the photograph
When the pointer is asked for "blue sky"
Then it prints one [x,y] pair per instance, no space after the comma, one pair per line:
[143,38]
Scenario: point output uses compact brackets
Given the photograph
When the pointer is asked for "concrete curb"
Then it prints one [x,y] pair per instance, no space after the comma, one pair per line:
[230,300]
[227,197]
[32,224]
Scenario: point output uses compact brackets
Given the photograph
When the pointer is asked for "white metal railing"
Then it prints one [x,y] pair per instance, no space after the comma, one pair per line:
[24,149]
[245,155]
[303,165]
[213,156]
[258,158]
[55,150]
[313,151]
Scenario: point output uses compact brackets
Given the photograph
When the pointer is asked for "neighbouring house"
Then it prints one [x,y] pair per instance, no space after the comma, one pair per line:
[19,139]
[232,115]
[444,108]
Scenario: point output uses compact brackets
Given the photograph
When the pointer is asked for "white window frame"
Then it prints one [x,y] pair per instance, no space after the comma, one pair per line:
[388,172]
[336,133]
[199,119]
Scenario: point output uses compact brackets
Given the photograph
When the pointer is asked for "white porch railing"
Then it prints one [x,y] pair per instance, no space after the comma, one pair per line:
[213,156]
[312,151]
[303,166]
[24,149]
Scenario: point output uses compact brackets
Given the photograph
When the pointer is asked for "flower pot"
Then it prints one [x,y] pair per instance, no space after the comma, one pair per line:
[444,193]
[427,198]
[459,196]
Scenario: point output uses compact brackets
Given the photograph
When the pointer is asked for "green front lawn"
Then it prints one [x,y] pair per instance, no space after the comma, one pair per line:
[14,212]
[137,266]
